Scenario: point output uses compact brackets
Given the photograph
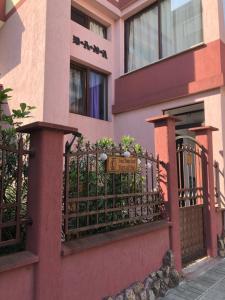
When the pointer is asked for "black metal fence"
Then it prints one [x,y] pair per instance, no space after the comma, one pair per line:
[13,192]
[190,164]
[98,200]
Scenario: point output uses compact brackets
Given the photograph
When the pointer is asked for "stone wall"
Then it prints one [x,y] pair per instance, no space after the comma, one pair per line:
[155,285]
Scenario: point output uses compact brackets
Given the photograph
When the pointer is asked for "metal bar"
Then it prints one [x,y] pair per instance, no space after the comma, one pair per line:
[78,188]
[8,243]
[12,149]
[97,172]
[2,189]
[87,182]
[13,223]
[66,193]
[86,228]
[19,186]
[107,210]
[111,196]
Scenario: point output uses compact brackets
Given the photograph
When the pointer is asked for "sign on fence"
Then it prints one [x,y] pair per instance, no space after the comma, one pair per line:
[120,164]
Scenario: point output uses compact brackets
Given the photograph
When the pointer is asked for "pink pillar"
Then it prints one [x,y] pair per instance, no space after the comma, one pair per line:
[45,206]
[2,10]
[204,138]
[165,147]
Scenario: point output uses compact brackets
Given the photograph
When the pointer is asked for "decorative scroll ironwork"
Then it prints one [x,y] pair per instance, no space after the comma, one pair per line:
[96,201]
[13,192]
[191,165]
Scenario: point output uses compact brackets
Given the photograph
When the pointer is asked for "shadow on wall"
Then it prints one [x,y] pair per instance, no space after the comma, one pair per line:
[11,43]
[155,83]
[219,177]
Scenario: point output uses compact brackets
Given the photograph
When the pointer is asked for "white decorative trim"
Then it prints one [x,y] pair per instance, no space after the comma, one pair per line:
[1,24]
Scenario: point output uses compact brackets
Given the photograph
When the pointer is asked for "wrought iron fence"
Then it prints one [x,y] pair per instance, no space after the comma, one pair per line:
[190,163]
[98,200]
[13,192]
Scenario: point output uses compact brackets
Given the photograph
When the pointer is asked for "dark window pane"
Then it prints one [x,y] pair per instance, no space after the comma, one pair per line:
[189,116]
[84,20]
[97,96]
[79,17]
[77,91]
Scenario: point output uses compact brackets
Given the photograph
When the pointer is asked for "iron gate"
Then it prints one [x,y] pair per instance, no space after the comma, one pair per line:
[97,201]
[191,161]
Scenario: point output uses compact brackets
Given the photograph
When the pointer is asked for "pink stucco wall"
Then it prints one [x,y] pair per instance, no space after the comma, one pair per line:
[22,55]
[144,134]
[96,273]
[36,47]
[17,284]
[60,50]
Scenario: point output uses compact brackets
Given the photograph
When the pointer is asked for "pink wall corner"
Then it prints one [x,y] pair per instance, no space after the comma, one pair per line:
[210,11]
[89,57]
[107,270]
[92,129]
[17,284]
[57,62]
[22,51]
[60,49]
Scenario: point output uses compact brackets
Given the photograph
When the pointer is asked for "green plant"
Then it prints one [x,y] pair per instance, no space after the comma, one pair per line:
[88,178]
[9,139]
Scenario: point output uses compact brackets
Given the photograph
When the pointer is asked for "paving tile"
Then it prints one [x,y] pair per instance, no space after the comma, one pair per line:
[207,286]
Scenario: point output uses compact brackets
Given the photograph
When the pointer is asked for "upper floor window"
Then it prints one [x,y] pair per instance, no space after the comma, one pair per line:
[163,29]
[86,21]
[88,92]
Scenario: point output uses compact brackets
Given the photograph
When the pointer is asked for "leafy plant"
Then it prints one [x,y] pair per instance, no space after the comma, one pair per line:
[88,178]
[9,138]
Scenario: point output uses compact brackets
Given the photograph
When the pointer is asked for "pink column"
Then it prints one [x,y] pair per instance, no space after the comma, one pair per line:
[204,137]
[45,206]
[165,147]
[2,10]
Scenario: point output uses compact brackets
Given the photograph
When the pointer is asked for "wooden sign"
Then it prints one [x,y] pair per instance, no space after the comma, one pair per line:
[189,159]
[120,164]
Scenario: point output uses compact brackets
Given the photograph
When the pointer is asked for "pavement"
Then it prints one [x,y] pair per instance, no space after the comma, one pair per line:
[204,280]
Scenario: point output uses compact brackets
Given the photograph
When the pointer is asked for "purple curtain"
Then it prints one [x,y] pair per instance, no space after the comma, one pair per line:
[94,90]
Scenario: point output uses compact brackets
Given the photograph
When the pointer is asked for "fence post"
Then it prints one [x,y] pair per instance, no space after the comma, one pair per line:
[165,147]
[204,138]
[45,206]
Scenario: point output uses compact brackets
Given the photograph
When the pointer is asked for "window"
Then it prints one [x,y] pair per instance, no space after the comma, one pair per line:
[163,29]
[189,116]
[88,92]
[86,21]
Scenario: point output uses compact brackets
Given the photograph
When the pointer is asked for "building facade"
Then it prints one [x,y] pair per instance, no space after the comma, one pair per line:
[105,66]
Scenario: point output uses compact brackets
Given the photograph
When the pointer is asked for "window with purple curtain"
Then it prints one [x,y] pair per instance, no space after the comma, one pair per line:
[97,96]
[88,93]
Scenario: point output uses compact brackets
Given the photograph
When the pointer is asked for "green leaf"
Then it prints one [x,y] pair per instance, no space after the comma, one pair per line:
[23,106]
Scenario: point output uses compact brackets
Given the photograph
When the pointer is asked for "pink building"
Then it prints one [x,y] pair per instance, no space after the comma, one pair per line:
[183,66]
[105,66]
[107,43]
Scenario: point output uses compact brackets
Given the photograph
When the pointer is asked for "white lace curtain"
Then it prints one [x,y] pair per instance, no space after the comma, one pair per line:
[142,40]
[97,28]
[76,91]
[181,28]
